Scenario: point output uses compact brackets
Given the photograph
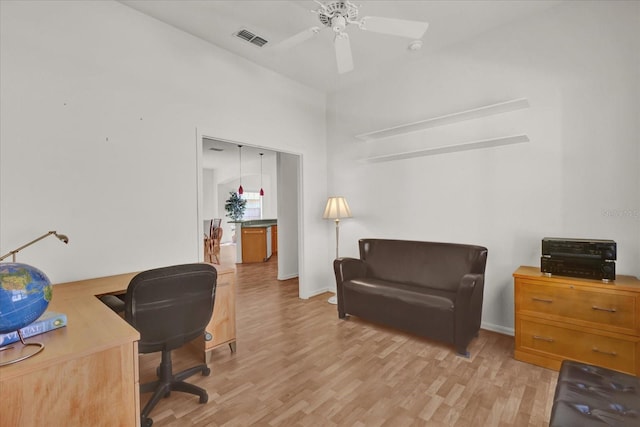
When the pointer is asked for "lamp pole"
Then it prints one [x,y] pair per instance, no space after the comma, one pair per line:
[337,235]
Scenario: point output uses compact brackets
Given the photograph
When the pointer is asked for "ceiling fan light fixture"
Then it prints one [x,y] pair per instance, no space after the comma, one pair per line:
[415,45]
[338,23]
[331,10]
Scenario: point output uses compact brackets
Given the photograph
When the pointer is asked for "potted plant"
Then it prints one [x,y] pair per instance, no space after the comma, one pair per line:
[235,207]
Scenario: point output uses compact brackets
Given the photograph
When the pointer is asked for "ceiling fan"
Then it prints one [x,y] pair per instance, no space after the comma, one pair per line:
[337,15]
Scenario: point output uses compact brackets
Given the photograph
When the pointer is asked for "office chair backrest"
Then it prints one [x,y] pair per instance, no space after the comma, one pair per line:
[171,306]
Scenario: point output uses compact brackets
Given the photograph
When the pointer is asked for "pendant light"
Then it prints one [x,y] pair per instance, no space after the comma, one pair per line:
[240,189]
[261,190]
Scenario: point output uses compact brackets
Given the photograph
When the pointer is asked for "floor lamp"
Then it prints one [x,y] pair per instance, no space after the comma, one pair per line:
[336,209]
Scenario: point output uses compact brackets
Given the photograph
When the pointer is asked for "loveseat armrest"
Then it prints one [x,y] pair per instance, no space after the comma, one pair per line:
[346,269]
[468,309]
[470,282]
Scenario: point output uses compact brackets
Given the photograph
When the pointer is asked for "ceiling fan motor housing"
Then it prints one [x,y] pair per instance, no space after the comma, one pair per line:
[337,14]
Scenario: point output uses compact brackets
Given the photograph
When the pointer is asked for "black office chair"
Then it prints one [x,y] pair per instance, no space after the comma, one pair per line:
[171,306]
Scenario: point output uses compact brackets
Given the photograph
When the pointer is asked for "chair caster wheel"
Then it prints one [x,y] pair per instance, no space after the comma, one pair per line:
[146,422]
[206,372]
[204,399]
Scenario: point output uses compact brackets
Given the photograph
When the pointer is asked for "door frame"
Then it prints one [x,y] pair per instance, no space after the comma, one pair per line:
[199,147]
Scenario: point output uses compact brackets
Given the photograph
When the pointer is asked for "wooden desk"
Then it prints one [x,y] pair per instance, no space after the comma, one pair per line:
[88,372]
[221,330]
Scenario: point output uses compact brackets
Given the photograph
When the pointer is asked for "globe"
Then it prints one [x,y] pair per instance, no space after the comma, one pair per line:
[25,293]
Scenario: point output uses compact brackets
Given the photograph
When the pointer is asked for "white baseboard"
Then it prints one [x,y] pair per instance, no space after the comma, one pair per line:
[287,277]
[318,292]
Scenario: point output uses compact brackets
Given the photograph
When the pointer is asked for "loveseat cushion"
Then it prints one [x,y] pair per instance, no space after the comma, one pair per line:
[410,294]
[426,312]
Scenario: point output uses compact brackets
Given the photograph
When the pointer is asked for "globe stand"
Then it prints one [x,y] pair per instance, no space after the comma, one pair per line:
[21,351]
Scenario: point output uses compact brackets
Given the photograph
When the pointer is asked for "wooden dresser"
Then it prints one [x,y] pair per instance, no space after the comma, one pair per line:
[589,321]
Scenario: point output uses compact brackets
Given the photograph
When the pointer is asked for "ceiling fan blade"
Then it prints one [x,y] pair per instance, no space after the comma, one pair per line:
[295,40]
[343,53]
[395,27]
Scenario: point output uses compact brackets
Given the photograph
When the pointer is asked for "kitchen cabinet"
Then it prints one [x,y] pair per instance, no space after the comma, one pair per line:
[256,244]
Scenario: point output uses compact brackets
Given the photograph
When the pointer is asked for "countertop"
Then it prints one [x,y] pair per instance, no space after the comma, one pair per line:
[258,223]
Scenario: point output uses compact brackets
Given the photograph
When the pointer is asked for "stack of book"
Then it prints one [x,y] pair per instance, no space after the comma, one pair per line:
[48,321]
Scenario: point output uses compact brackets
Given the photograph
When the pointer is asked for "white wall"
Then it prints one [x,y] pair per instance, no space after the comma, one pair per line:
[289,205]
[100,106]
[578,65]
[209,194]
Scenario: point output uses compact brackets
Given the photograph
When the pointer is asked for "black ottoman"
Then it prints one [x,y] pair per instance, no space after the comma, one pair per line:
[588,395]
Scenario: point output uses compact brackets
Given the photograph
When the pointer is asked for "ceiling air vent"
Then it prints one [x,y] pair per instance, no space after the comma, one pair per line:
[248,36]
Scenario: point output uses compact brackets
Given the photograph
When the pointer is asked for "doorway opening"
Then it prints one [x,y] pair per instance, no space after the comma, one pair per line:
[277,173]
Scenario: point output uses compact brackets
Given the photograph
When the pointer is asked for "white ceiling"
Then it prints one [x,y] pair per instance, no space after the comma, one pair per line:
[313,62]
[221,154]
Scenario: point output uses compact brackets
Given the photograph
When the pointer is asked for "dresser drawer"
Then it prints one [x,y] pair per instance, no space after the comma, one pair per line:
[548,339]
[597,308]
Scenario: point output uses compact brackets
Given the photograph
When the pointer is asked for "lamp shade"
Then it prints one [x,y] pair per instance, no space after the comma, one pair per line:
[337,207]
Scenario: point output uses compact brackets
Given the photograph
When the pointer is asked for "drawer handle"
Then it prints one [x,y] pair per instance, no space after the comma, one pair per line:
[538,337]
[542,300]
[608,353]
[610,310]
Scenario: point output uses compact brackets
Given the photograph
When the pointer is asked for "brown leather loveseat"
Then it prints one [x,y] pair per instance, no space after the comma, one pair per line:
[427,288]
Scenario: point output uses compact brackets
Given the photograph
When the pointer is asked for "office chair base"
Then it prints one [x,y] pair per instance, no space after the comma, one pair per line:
[168,382]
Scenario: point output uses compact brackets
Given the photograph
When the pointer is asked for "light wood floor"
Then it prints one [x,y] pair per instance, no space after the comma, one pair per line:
[297,364]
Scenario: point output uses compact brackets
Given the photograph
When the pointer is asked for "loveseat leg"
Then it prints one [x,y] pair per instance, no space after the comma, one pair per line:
[463,352]
[342,315]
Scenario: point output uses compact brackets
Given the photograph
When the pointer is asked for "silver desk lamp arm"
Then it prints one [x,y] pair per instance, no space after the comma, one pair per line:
[62,237]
